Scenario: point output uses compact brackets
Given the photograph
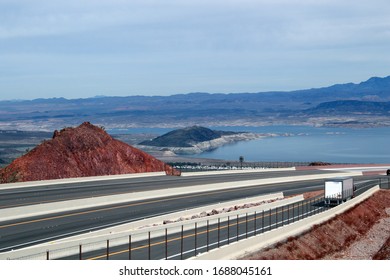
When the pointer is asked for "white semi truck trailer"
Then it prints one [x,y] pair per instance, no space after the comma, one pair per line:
[338,190]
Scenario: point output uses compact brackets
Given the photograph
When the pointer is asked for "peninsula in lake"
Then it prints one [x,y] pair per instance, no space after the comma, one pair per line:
[195,140]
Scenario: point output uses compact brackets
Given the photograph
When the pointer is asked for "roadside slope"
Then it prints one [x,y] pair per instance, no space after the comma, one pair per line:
[351,235]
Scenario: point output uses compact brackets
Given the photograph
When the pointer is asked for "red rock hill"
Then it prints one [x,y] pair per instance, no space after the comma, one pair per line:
[83,151]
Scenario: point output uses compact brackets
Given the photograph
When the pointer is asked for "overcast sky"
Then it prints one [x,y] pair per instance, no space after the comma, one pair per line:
[84,48]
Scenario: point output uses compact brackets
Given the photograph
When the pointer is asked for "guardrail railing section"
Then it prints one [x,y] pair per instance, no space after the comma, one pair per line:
[384,183]
[183,240]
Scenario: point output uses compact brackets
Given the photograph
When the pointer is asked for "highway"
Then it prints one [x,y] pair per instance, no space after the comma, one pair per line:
[34,195]
[25,232]
[200,239]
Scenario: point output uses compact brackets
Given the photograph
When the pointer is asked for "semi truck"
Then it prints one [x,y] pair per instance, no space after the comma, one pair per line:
[338,190]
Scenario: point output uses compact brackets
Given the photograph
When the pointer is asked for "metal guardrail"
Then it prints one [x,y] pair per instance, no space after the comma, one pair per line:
[182,242]
[219,166]
[384,183]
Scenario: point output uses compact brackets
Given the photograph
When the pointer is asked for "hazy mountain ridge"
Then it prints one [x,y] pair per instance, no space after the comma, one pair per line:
[204,109]
[341,107]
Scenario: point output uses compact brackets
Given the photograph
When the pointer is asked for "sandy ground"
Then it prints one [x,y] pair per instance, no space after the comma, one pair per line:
[360,233]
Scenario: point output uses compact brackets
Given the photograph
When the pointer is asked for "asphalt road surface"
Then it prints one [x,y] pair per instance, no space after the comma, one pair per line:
[25,232]
[189,243]
[35,195]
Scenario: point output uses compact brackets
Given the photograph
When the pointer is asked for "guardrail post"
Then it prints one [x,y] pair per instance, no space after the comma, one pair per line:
[208,232]
[47,255]
[276,217]
[262,223]
[255,225]
[270,221]
[293,215]
[300,210]
[307,208]
[288,214]
[313,202]
[196,234]
[219,233]
[129,247]
[80,252]
[246,225]
[237,229]
[228,229]
[108,249]
[182,240]
[149,243]
[166,243]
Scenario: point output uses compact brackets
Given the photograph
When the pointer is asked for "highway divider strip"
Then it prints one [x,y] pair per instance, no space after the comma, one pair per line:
[253,244]
[237,171]
[14,213]
[54,182]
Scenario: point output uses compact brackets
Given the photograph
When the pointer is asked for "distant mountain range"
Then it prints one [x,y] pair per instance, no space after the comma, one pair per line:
[365,104]
[351,107]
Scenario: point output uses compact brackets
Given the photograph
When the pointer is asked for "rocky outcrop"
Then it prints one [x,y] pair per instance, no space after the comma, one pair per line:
[86,150]
[186,137]
[195,140]
[213,144]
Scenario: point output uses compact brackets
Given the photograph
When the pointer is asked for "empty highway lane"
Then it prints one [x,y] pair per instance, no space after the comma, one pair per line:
[68,191]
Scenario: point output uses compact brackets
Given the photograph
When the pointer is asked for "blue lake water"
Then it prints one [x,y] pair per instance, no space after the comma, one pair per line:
[337,145]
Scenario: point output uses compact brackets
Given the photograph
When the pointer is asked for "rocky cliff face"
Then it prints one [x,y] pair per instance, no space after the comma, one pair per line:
[83,151]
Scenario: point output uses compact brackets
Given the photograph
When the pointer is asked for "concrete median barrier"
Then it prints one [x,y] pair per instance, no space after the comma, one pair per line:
[55,182]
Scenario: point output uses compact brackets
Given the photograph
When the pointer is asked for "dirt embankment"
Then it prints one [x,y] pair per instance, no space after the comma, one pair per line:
[362,232]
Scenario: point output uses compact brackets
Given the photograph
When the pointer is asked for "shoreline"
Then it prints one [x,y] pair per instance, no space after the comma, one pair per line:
[205,146]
